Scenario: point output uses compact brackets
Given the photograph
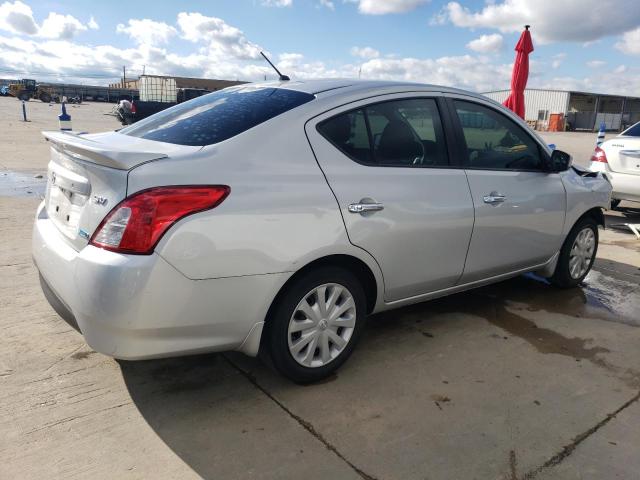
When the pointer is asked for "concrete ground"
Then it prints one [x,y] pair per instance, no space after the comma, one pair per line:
[513,381]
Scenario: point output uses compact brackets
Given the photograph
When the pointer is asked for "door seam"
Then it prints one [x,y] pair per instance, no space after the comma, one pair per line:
[473,228]
[344,223]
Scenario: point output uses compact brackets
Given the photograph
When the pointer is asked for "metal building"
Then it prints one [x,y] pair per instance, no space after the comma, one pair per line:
[580,110]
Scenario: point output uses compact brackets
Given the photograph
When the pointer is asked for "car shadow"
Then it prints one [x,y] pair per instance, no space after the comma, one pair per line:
[207,410]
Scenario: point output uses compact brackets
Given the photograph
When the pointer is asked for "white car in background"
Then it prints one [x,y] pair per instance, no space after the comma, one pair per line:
[619,158]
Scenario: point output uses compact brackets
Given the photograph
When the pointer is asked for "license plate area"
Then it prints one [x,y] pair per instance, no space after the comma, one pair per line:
[65,198]
[630,161]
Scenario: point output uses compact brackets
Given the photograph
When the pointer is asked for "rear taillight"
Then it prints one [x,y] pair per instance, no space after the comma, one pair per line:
[133,107]
[599,156]
[139,221]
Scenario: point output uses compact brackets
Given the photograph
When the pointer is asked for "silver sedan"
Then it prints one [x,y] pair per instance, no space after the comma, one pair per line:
[276,217]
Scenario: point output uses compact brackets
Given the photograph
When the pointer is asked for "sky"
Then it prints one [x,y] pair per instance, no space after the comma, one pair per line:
[587,45]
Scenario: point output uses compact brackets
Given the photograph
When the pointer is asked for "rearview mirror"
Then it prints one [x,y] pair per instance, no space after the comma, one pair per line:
[560,161]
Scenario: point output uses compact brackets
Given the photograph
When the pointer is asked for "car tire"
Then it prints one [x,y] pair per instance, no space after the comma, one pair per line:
[306,341]
[615,203]
[577,254]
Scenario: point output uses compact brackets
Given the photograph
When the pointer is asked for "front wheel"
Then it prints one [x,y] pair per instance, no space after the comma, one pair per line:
[577,254]
[316,324]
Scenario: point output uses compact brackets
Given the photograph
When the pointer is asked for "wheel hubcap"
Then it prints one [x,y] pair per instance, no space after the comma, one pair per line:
[582,253]
[321,325]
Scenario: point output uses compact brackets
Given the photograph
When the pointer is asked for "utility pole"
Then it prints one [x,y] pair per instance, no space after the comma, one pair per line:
[124,76]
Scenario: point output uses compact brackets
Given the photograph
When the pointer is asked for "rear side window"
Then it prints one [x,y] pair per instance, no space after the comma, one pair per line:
[633,131]
[402,133]
[217,116]
[494,141]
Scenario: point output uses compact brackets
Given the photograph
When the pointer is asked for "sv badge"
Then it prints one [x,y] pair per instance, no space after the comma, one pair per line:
[99,200]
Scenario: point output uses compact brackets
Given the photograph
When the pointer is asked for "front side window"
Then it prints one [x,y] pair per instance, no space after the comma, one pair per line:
[403,133]
[495,142]
[217,116]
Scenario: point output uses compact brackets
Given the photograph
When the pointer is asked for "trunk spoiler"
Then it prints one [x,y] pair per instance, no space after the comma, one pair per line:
[89,150]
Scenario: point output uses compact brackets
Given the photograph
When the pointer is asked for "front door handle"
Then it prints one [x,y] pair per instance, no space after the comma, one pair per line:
[493,198]
[365,207]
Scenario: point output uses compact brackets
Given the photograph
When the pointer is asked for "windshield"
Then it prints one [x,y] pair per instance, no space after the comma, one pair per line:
[217,116]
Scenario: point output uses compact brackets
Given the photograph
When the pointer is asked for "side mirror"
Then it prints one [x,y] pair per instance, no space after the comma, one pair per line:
[560,161]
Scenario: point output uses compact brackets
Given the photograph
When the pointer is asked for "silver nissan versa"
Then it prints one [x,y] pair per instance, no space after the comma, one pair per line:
[277,216]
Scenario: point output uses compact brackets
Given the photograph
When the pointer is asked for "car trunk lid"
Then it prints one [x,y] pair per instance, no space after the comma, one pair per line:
[623,155]
[87,177]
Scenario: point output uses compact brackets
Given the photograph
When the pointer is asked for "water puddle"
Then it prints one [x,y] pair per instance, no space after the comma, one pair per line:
[22,184]
[601,296]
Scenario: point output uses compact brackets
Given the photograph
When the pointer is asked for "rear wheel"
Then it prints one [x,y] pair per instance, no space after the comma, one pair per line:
[577,254]
[316,324]
[45,97]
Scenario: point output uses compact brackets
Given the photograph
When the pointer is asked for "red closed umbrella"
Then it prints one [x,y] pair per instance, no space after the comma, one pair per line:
[520,74]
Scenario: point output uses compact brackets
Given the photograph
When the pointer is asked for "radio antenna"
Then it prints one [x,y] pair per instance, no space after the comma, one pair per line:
[282,78]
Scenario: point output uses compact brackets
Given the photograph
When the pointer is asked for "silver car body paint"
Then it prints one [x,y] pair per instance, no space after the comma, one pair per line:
[212,278]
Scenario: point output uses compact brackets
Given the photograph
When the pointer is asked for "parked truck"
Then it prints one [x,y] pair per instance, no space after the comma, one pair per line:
[156,94]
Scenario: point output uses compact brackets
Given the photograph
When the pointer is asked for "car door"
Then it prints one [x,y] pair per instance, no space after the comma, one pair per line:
[519,207]
[387,163]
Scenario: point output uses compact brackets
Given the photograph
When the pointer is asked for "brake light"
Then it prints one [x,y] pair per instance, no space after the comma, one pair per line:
[137,223]
[599,155]
[134,109]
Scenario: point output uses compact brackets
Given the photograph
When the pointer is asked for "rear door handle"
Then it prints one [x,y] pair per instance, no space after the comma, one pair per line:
[365,207]
[493,198]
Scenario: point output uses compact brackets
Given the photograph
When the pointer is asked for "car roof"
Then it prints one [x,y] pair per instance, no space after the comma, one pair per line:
[329,87]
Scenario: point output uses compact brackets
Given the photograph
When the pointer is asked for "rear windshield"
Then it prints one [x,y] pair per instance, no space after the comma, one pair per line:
[633,131]
[217,116]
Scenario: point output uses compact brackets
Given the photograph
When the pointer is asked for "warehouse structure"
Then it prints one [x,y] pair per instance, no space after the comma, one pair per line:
[572,110]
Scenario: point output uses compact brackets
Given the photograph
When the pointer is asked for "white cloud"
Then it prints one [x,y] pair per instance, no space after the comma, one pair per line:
[146,31]
[93,25]
[551,20]
[558,59]
[486,43]
[276,3]
[364,52]
[63,27]
[596,63]
[17,17]
[220,50]
[221,37]
[607,82]
[327,3]
[630,43]
[382,7]
[466,71]
[102,64]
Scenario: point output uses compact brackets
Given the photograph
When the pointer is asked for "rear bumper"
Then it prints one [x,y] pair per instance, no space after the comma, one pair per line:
[138,307]
[625,185]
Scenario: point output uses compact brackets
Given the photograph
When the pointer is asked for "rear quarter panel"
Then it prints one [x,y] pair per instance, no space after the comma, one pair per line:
[279,216]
